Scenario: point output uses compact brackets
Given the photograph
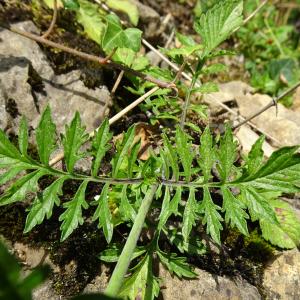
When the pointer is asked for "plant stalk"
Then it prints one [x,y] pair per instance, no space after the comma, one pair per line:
[189,93]
[122,266]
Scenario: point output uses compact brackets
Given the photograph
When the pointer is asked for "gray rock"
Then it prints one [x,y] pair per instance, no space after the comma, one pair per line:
[149,19]
[19,59]
[283,126]
[247,137]
[45,292]
[282,276]
[99,283]
[205,287]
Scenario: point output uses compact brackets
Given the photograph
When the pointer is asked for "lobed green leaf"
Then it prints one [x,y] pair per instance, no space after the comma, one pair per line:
[72,216]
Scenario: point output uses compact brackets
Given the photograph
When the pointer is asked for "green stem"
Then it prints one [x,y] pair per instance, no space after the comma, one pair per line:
[121,268]
[189,93]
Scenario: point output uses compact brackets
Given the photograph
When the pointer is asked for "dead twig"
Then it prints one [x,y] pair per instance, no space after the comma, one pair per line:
[272,103]
[120,76]
[101,60]
[112,120]
[53,21]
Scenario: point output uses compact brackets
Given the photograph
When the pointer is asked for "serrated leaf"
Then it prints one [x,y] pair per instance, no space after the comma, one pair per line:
[45,136]
[175,201]
[218,23]
[278,161]
[13,171]
[127,7]
[133,157]
[100,146]
[92,20]
[165,209]
[116,37]
[234,211]
[43,204]
[207,154]
[19,189]
[122,151]
[258,206]
[193,246]
[286,234]
[126,209]
[184,51]
[72,216]
[71,4]
[280,172]
[7,149]
[23,136]
[206,88]
[227,154]
[214,69]
[177,265]
[113,253]
[212,217]
[73,139]
[255,156]
[141,284]
[189,215]
[185,40]
[171,156]
[103,214]
[185,151]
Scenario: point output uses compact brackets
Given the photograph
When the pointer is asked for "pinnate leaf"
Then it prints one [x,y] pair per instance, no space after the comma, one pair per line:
[20,188]
[258,206]
[126,208]
[207,154]
[286,234]
[74,138]
[185,151]
[142,284]
[177,265]
[227,154]
[72,216]
[189,215]
[234,211]
[43,204]
[103,214]
[45,136]
[100,146]
[212,217]
[122,151]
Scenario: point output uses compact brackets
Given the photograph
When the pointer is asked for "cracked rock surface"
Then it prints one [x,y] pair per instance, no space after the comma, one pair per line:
[28,84]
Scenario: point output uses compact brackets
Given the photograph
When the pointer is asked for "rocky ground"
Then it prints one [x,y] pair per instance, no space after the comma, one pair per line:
[28,83]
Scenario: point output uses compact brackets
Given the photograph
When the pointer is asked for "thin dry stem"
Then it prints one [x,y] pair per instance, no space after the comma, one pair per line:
[53,21]
[112,120]
[272,103]
[117,83]
[101,60]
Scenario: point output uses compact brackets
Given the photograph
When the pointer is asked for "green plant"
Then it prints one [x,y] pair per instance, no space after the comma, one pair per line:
[179,178]
[270,44]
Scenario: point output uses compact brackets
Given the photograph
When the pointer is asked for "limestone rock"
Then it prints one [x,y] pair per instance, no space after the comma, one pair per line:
[247,137]
[21,61]
[282,276]
[207,286]
[283,126]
